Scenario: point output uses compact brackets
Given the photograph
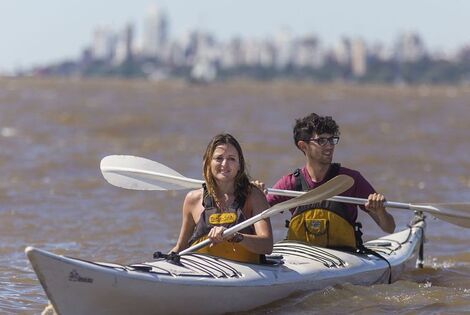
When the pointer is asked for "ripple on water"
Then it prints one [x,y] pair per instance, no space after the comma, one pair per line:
[399,297]
[412,144]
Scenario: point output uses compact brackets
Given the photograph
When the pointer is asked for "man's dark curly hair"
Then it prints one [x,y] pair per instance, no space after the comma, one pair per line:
[306,127]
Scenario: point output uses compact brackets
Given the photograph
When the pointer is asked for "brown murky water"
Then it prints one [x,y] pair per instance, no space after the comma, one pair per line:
[411,142]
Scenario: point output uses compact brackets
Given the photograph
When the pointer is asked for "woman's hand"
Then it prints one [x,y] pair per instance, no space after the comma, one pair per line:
[216,234]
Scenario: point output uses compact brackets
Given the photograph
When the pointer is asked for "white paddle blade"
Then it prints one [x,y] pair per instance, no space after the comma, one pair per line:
[334,186]
[138,173]
[455,213]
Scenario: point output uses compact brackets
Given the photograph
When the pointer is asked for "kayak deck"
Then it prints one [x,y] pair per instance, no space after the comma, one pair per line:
[76,286]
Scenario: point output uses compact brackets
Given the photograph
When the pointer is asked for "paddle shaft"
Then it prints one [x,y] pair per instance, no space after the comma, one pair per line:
[344,199]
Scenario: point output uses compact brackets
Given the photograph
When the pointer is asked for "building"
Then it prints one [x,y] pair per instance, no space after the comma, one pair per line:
[358,58]
[124,45]
[155,33]
[103,43]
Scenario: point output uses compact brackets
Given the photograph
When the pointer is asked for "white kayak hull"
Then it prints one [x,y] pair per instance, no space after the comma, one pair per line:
[208,285]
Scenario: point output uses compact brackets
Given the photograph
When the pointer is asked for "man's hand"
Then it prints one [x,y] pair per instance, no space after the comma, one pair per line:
[375,206]
[260,185]
[375,203]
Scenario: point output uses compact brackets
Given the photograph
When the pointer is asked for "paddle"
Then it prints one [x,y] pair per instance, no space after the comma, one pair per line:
[138,173]
[332,187]
[462,219]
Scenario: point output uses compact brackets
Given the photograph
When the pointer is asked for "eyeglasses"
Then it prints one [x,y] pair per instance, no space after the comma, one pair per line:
[323,141]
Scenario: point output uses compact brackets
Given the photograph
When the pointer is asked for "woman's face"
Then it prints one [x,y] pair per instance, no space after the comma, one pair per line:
[225,163]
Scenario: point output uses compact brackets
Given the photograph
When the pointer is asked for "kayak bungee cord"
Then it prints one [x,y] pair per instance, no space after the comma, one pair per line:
[306,251]
[190,261]
[234,272]
[319,250]
[199,266]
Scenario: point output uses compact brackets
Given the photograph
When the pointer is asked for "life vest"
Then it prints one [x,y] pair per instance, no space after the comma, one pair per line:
[325,223]
[211,217]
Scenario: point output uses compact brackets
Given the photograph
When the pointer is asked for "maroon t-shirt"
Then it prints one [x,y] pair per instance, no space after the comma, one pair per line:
[361,188]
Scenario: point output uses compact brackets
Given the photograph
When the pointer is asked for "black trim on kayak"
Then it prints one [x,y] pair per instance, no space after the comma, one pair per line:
[365,250]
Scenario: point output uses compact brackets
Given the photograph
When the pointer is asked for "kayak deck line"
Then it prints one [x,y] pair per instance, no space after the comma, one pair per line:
[314,253]
[197,261]
[192,265]
[386,246]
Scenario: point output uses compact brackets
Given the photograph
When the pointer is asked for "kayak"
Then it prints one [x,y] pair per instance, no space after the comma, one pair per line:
[202,284]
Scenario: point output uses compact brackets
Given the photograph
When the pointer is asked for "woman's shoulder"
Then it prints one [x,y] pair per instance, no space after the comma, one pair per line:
[255,201]
[256,196]
[194,196]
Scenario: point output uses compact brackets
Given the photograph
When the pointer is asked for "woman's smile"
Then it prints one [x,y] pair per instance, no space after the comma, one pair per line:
[225,162]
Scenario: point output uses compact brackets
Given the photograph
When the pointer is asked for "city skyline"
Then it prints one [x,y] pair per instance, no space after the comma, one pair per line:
[53,35]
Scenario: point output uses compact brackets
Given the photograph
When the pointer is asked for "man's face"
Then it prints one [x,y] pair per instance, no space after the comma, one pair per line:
[320,148]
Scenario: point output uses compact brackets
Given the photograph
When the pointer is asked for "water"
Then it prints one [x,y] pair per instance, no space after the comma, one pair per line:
[410,142]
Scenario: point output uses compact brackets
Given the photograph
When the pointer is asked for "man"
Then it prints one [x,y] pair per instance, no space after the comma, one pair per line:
[328,224]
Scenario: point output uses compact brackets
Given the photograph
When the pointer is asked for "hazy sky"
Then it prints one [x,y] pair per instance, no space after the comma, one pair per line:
[37,32]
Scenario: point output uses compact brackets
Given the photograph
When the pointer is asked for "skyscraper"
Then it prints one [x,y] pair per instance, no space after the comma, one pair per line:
[358,57]
[155,34]
[104,43]
[124,45]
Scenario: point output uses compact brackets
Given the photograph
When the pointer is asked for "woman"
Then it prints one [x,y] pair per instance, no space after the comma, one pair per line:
[226,199]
